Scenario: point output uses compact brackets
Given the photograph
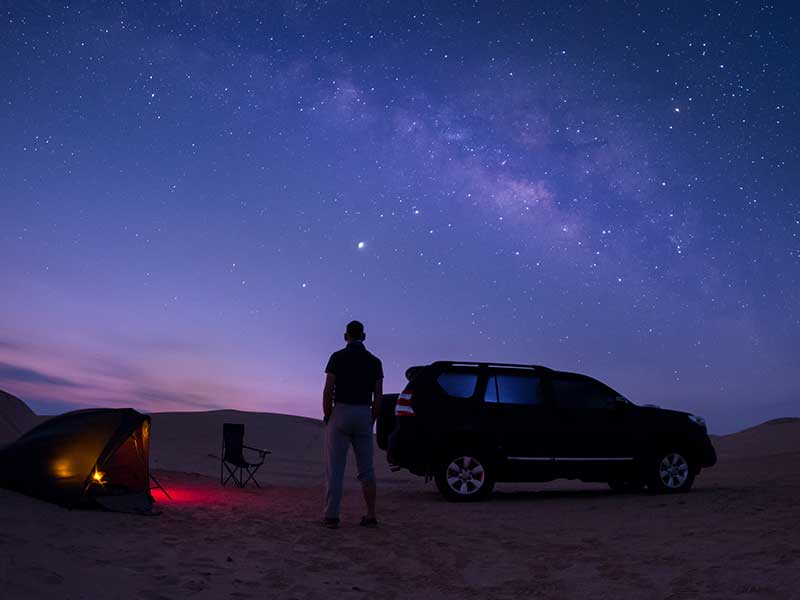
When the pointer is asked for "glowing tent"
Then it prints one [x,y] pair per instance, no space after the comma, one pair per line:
[84,458]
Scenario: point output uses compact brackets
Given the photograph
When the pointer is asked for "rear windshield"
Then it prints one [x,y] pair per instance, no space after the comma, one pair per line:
[458,384]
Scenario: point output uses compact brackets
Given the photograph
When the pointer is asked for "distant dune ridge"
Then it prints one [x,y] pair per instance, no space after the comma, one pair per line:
[190,441]
[778,436]
[15,418]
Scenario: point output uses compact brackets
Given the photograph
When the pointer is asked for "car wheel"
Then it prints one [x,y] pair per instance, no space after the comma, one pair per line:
[670,472]
[626,485]
[464,477]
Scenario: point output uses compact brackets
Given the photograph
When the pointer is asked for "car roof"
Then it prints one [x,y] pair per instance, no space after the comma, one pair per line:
[468,363]
[491,365]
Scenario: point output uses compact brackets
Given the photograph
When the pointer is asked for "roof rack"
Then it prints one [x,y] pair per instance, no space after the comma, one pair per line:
[470,363]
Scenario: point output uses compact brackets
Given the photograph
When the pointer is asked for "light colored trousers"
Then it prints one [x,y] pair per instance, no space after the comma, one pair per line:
[350,424]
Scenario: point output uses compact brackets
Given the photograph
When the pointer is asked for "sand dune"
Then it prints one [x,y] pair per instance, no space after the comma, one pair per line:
[15,418]
[191,442]
[778,436]
[736,535]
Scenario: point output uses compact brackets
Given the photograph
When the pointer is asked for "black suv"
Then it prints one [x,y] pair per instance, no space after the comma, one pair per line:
[471,424]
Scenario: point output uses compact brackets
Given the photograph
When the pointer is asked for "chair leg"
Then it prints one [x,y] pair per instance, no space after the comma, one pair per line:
[252,476]
[221,460]
[231,475]
[236,475]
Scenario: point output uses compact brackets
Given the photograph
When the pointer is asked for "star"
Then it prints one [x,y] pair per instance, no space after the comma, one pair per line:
[638,168]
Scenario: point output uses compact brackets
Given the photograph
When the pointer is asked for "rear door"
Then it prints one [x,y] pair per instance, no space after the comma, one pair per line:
[519,415]
[454,406]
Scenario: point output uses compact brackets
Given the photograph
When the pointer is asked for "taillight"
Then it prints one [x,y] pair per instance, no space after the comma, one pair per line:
[403,408]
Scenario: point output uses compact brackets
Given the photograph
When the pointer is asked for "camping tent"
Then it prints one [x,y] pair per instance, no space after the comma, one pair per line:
[83,458]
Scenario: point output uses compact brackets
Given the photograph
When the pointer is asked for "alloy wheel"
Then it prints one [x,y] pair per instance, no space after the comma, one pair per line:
[465,475]
[673,470]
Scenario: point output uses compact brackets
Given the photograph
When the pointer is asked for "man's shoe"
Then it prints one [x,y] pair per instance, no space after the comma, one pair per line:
[371,522]
[330,523]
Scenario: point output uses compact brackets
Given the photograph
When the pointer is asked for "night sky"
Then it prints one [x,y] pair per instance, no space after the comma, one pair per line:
[196,197]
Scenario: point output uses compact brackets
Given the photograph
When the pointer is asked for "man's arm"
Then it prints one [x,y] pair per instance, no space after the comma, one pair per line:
[327,395]
[376,402]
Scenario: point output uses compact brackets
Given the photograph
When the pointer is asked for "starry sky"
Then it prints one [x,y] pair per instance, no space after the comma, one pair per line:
[196,197]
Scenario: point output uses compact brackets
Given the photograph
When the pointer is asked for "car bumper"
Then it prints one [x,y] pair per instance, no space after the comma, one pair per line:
[406,449]
[708,456]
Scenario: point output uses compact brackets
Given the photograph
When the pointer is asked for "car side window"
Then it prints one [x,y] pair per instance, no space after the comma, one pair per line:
[491,390]
[458,385]
[518,389]
[581,393]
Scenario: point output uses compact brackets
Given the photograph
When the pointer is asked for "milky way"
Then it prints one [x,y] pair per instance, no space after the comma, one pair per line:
[195,200]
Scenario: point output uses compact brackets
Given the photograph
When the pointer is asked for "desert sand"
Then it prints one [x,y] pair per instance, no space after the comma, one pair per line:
[735,535]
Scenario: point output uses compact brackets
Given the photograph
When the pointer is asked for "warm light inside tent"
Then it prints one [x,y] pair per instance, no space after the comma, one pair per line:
[98,476]
[63,468]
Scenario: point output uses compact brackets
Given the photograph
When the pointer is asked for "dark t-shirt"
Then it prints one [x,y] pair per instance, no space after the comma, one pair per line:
[356,371]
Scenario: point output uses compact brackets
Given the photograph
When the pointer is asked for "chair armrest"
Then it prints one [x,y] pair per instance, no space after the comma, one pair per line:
[259,450]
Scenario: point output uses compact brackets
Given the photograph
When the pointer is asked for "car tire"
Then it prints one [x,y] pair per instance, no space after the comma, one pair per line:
[465,477]
[670,472]
[626,485]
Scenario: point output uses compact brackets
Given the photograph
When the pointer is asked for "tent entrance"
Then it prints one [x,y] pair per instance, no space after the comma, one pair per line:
[121,480]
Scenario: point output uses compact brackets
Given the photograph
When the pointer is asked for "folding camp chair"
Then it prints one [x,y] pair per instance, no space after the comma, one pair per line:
[232,457]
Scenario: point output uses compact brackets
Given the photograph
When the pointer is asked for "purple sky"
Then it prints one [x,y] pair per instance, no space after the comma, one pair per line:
[194,202]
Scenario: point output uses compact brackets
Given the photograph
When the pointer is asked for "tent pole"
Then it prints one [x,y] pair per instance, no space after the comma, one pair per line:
[140,452]
[159,486]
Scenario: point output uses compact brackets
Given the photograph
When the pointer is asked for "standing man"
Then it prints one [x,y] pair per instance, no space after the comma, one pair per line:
[350,403]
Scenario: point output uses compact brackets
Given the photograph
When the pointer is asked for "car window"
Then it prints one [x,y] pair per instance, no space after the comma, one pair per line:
[458,385]
[518,389]
[491,390]
[581,393]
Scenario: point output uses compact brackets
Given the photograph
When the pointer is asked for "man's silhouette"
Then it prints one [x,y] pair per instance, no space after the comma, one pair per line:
[350,402]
